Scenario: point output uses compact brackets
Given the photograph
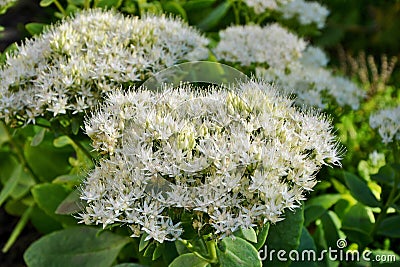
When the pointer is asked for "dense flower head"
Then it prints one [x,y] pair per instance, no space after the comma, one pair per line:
[72,64]
[387,121]
[260,6]
[314,56]
[314,86]
[271,44]
[306,12]
[232,158]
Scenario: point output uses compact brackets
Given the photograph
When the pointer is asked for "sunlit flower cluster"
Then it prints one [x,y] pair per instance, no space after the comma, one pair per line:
[260,6]
[387,121]
[282,57]
[72,64]
[232,158]
[314,86]
[272,45]
[306,12]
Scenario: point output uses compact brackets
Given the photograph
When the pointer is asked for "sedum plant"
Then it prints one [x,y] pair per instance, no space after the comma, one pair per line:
[213,161]
[69,67]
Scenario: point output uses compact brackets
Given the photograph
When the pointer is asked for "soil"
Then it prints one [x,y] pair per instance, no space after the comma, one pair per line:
[14,257]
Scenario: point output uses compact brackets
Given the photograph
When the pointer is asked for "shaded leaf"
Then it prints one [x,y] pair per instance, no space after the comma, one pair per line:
[262,236]
[390,227]
[10,184]
[215,16]
[48,197]
[360,190]
[307,251]
[285,235]
[35,28]
[71,204]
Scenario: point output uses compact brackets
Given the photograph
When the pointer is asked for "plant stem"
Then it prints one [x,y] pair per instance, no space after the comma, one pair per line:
[60,8]
[212,259]
[86,4]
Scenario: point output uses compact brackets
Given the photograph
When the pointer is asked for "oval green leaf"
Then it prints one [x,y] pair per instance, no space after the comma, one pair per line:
[189,259]
[285,235]
[237,252]
[360,190]
[77,246]
[45,3]
[390,227]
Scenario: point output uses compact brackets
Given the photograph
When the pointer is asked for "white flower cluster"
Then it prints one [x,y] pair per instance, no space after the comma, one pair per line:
[387,121]
[272,44]
[72,64]
[260,6]
[306,12]
[313,85]
[314,56]
[230,158]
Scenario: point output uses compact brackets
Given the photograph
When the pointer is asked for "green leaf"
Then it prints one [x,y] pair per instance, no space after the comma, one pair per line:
[71,204]
[285,235]
[38,138]
[129,265]
[360,190]
[237,252]
[17,229]
[262,236]
[3,133]
[331,226]
[76,246]
[48,197]
[189,259]
[143,242]
[43,222]
[109,3]
[390,227]
[45,3]
[357,223]
[312,213]
[307,251]
[149,251]
[174,8]
[47,161]
[158,251]
[326,201]
[35,28]
[10,184]
[69,179]
[359,217]
[181,248]
[197,5]
[247,234]
[215,16]
[385,175]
